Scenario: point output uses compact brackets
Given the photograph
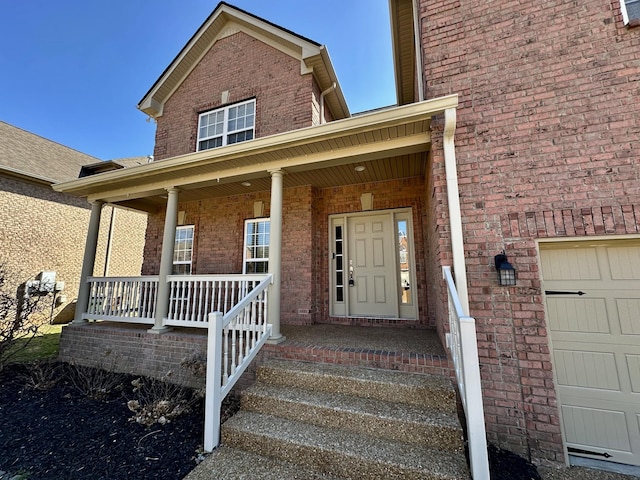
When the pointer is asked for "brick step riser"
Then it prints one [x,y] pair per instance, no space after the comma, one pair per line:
[395,361]
[430,435]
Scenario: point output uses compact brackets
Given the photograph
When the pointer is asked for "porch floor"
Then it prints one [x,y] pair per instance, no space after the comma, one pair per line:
[393,348]
[388,339]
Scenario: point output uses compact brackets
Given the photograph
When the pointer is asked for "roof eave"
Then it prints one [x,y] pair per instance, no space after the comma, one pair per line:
[91,185]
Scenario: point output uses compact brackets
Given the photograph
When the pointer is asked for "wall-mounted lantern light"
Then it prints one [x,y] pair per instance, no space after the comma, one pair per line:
[506,272]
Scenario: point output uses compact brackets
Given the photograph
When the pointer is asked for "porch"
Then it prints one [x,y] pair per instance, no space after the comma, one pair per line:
[181,353]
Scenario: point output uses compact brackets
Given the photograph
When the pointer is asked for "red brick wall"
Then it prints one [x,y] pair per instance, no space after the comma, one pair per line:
[246,68]
[219,237]
[544,149]
[219,228]
[386,195]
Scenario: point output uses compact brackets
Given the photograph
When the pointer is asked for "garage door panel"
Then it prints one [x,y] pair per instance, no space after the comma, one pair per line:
[587,315]
[586,369]
[628,314]
[595,344]
[633,368]
[571,264]
[591,427]
[624,262]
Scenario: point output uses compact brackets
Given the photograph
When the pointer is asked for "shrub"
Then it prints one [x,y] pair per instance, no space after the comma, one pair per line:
[42,375]
[21,316]
[96,383]
[160,401]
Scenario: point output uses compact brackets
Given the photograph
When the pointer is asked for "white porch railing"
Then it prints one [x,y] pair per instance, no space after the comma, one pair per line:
[122,299]
[234,340]
[193,297]
[462,343]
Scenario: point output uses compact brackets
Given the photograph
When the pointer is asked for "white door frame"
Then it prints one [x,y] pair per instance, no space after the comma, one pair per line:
[340,307]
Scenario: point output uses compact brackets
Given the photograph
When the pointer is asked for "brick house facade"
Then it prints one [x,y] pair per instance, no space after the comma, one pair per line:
[44,230]
[542,95]
[545,150]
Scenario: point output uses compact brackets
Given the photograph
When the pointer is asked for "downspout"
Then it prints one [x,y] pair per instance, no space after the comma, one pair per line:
[327,91]
[455,217]
[418,46]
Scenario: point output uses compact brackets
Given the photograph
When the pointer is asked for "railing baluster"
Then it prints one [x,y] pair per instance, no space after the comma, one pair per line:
[225,346]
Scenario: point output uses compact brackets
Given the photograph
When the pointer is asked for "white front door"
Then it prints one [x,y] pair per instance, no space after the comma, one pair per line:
[592,293]
[372,265]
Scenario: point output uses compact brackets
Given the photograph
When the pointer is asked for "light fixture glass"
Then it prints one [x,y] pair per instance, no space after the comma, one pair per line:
[506,272]
[246,184]
[360,168]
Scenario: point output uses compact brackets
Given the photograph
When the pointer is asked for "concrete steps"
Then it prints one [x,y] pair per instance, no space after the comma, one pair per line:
[348,422]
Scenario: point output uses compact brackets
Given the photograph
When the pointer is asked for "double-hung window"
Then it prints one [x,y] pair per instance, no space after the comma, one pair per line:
[630,11]
[225,126]
[256,246]
[183,250]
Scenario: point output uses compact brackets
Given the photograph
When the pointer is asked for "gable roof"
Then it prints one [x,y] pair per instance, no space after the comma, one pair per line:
[227,20]
[30,156]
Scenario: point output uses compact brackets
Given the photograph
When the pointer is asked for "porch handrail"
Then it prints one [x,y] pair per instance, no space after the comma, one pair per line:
[124,299]
[234,339]
[463,346]
[193,297]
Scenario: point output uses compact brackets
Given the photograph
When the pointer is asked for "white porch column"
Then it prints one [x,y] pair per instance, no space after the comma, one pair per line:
[166,260]
[275,255]
[455,217]
[88,261]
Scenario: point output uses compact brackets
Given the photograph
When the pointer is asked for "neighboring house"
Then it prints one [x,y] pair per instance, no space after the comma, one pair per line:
[533,104]
[44,231]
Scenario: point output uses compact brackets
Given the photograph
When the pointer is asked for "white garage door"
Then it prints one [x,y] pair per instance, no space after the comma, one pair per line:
[592,293]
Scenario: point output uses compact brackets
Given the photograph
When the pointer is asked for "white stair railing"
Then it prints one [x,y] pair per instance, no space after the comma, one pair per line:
[462,343]
[234,340]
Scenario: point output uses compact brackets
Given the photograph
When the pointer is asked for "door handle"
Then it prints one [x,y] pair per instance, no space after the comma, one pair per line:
[351,281]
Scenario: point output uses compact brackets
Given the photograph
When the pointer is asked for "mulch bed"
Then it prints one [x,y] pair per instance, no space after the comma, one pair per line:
[60,433]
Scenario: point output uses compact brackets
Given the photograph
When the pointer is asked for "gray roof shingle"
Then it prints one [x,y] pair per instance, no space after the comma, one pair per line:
[29,154]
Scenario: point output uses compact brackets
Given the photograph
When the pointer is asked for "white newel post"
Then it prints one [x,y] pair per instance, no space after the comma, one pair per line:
[166,261]
[275,255]
[88,261]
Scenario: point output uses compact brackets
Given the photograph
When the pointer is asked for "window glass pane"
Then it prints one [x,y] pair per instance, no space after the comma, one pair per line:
[256,246]
[183,250]
[404,261]
[339,270]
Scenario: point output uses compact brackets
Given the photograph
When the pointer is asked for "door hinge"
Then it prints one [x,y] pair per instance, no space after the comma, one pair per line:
[587,452]
[559,292]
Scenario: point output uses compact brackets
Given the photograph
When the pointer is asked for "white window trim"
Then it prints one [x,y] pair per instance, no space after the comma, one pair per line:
[244,242]
[625,14]
[225,123]
[190,261]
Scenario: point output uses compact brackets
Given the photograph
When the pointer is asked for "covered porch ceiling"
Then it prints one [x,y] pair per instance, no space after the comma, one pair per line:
[389,143]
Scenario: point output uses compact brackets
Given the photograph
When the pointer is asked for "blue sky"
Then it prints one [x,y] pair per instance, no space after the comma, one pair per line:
[73,71]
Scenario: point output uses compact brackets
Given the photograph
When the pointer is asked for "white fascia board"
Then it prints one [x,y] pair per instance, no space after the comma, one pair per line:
[327,131]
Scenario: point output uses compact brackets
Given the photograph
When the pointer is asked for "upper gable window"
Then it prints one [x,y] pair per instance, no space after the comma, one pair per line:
[630,11]
[227,125]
